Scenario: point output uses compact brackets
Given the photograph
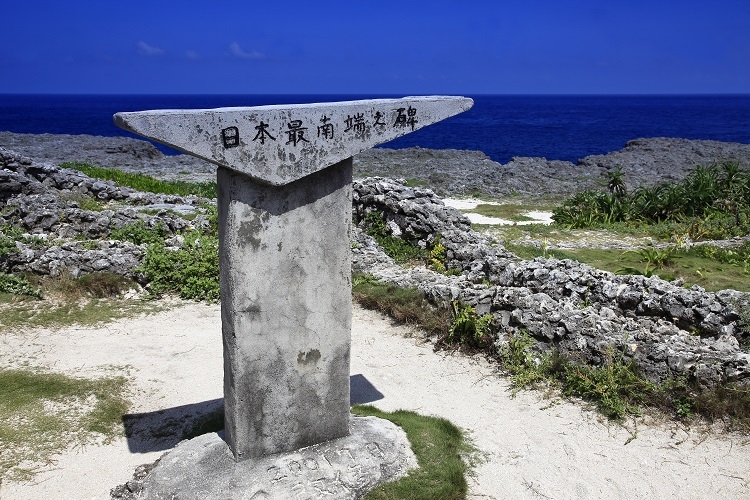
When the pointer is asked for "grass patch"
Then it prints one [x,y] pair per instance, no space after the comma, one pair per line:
[411,182]
[43,413]
[18,312]
[146,183]
[509,233]
[98,285]
[696,266]
[88,300]
[618,390]
[405,305]
[139,233]
[439,447]
[508,211]
[9,235]
[85,202]
[401,251]
[529,252]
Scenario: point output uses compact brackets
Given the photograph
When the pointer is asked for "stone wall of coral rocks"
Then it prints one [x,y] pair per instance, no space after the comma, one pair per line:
[43,200]
[667,329]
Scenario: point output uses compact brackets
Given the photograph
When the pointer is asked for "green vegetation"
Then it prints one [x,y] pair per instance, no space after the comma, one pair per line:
[9,235]
[508,211]
[399,250]
[144,182]
[43,413]
[617,389]
[528,252]
[439,447]
[87,300]
[708,266]
[712,202]
[405,305]
[99,285]
[403,251]
[468,328]
[85,202]
[411,182]
[18,285]
[192,271]
[139,233]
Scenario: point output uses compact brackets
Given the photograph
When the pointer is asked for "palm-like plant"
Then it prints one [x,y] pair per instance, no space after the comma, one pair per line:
[616,183]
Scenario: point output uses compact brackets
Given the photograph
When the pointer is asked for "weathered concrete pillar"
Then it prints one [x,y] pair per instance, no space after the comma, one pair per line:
[286,309]
[284,220]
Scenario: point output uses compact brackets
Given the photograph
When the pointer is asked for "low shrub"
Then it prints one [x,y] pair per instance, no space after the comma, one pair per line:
[139,233]
[192,272]
[18,285]
[468,328]
[712,202]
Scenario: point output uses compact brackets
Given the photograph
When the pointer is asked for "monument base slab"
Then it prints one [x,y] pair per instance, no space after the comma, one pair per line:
[376,451]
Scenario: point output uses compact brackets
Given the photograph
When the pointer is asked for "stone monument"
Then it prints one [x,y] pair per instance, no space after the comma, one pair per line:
[285,200]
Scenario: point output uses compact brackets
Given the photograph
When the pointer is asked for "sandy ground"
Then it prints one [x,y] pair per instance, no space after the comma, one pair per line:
[532,447]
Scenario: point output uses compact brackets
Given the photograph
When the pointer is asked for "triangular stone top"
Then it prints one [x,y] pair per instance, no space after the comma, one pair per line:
[282,143]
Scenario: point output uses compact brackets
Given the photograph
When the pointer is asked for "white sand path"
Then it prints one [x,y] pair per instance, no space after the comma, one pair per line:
[534,448]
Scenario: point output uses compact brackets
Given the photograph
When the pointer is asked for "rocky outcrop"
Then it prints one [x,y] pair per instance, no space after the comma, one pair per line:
[448,172]
[646,162]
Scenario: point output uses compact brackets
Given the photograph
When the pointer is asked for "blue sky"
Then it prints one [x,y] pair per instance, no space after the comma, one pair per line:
[377,47]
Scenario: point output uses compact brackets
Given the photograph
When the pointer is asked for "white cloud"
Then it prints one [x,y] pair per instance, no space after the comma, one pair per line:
[148,50]
[191,54]
[237,51]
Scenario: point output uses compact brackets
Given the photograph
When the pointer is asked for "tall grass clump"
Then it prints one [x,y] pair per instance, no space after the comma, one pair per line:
[405,305]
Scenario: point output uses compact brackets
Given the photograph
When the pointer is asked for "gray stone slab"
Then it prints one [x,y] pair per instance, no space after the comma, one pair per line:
[376,451]
[279,144]
[285,260]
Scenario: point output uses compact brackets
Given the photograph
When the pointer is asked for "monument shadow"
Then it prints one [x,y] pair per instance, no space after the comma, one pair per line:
[161,430]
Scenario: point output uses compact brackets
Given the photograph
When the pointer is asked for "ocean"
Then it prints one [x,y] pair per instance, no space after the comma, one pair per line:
[557,127]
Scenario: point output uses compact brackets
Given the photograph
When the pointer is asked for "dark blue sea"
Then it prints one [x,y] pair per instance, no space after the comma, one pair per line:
[559,127]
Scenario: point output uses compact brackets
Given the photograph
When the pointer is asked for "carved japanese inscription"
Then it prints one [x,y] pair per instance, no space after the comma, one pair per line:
[279,144]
